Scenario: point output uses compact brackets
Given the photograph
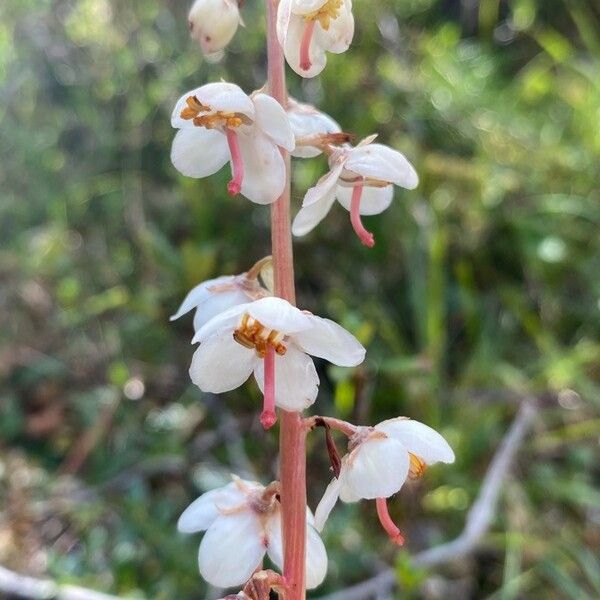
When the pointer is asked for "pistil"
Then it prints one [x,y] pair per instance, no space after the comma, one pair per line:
[268,416]
[237,163]
[387,523]
[366,237]
[309,28]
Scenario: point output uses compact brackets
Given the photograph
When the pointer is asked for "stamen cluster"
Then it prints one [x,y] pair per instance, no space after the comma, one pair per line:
[253,334]
[328,12]
[194,109]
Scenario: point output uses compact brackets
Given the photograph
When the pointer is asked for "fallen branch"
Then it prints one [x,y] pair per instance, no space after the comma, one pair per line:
[479,517]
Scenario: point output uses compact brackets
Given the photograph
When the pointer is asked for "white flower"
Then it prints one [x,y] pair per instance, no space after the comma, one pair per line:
[307,29]
[213,23]
[273,339]
[242,521]
[218,123]
[361,180]
[380,460]
[309,124]
[214,296]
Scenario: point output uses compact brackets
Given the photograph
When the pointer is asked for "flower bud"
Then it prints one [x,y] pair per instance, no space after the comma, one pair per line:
[213,23]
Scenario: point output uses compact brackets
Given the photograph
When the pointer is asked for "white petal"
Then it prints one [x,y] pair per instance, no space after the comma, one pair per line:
[273,120]
[383,163]
[338,37]
[279,314]
[374,200]
[225,321]
[367,140]
[264,168]
[316,555]
[199,152]
[326,504]
[348,494]
[231,549]
[296,380]
[201,293]
[325,185]
[217,304]
[378,468]
[305,121]
[291,48]
[226,97]
[419,439]
[201,513]
[220,96]
[275,539]
[316,558]
[221,364]
[305,7]
[326,339]
[284,11]
[310,216]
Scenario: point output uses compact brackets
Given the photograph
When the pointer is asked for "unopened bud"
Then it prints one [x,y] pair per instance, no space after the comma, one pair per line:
[213,23]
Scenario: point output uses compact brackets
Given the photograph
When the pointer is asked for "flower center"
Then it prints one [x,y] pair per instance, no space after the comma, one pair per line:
[328,12]
[417,466]
[253,334]
[195,112]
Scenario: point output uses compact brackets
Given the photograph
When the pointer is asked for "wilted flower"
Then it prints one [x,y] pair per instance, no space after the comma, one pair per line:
[242,521]
[218,123]
[379,461]
[273,339]
[307,29]
[214,296]
[213,23]
[361,180]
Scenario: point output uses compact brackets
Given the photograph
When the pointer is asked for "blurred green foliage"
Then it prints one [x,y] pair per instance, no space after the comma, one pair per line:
[483,288]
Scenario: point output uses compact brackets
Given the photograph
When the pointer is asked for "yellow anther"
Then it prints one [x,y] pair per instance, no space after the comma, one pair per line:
[250,333]
[328,12]
[194,108]
[417,466]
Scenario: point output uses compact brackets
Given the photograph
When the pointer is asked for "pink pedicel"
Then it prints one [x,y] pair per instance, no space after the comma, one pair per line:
[387,523]
[366,237]
[268,417]
[237,164]
[305,62]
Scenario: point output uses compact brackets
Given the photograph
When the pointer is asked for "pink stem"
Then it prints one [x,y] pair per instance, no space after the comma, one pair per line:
[292,434]
[342,426]
[366,237]
[387,523]
[237,163]
[305,62]
[268,418]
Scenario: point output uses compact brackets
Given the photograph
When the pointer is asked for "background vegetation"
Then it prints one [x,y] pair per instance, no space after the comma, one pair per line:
[482,289]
